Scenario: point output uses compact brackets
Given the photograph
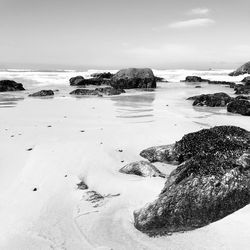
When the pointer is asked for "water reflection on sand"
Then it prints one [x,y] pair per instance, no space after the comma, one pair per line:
[9,101]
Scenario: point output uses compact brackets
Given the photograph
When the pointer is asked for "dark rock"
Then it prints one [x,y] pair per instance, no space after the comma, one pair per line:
[82,185]
[244,69]
[194,79]
[76,80]
[84,92]
[9,85]
[105,75]
[231,84]
[211,100]
[241,89]
[197,87]
[159,153]
[81,81]
[110,91]
[212,181]
[246,79]
[160,79]
[134,78]
[239,107]
[242,97]
[34,189]
[142,168]
[42,93]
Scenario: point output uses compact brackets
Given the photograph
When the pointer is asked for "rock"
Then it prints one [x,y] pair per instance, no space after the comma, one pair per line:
[246,79]
[239,107]
[231,84]
[194,79]
[77,80]
[42,93]
[160,79]
[105,75]
[134,78]
[244,69]
[82,185]
[211,100]
[241,89]
[110,91]
[9,85]
[142,168]
[197,87]
[81,81]
[242,97]
[159,153]
[212,181]
[84,92]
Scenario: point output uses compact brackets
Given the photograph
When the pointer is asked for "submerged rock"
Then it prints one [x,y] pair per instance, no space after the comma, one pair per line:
[239,106]
[9,85]
[211,100]
[134,78]
[212,181]
[142,168]
[244,69]
[84,92]
[42,93]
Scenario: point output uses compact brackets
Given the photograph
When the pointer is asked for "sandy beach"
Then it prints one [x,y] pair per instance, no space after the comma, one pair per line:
[48,145]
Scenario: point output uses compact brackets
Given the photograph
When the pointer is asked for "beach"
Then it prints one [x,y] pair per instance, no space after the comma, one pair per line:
[48,145]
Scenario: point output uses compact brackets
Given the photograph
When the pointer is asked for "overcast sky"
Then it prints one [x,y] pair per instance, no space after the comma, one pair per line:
[113,34]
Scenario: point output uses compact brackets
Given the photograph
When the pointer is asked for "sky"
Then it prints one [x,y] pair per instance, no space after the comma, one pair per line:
[114,34]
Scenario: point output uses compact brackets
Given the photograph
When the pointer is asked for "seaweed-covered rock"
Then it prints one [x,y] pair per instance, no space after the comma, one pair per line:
[104,75]
[244,69]
[42,93]
[110,91]
[142,168]
[211,182]
[133,78]
[9,85]
[211,100]
[239,107]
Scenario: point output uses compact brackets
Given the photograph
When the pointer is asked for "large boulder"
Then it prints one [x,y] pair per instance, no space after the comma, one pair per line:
[9,85]
[42,93]
[239,106]
[211,100]
[244,69]
[142,168]
[211,182]
[134,78]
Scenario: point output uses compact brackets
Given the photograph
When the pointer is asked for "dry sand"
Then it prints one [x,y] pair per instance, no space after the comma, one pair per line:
[43,146]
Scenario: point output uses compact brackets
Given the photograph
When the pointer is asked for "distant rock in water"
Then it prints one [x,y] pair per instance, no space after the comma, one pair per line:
[42,93]
[77,80]
[9,85]
[244,69]
[134,78]
[211,100]
[110,91]
[211,182]
[142,168]
[104,75]
[194,79]
[231,84]
[239,106]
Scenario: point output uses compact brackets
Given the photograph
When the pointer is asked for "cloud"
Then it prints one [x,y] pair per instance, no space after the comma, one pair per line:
[197,22]
[199,11]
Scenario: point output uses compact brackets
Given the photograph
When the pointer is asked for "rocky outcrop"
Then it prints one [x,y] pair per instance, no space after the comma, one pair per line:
[239,106]
[246,79]
[244,69]
[9,85]
[242,89]
[142,168]
[211,100]
[134,78]
[42,93]
[110,91]
[104,75]
[211,182]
